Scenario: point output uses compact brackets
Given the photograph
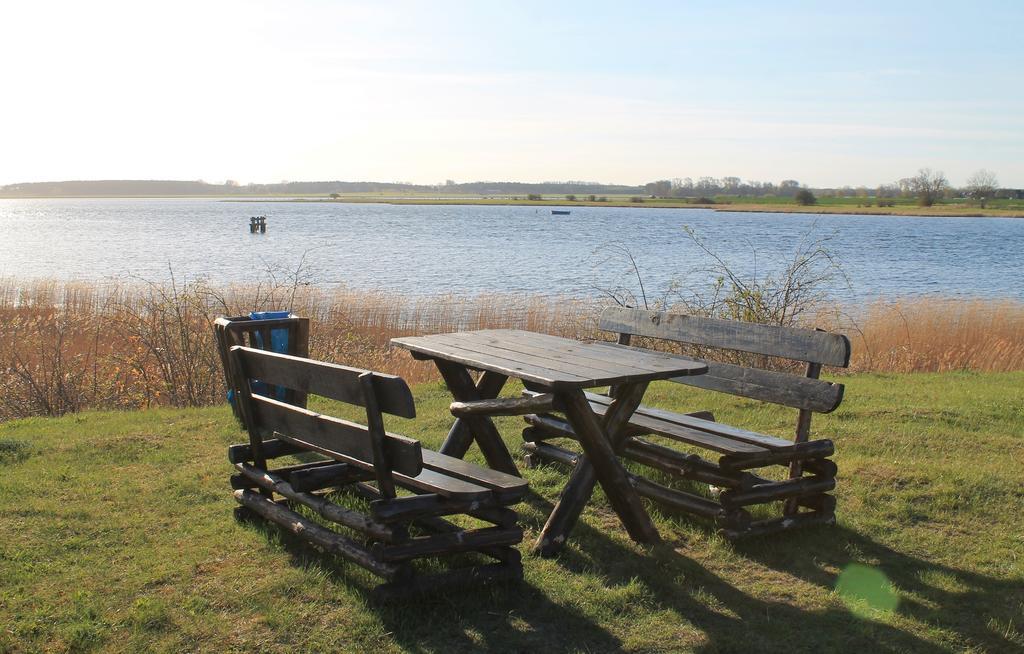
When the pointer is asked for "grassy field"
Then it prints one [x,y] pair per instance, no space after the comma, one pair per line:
[117,535]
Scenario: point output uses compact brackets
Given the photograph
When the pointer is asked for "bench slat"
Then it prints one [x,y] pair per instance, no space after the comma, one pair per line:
[769,386]
[670,429]
[509,485]
[771,340]
[441,483]
[763,441]
[682,433]
[350,442]
[764,385]
[327,379]
[337,438]
[692,436]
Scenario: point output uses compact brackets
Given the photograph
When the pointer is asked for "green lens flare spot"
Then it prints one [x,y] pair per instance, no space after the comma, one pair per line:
[866,591]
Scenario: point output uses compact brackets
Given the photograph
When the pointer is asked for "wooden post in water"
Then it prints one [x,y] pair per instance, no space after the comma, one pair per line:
[257,224]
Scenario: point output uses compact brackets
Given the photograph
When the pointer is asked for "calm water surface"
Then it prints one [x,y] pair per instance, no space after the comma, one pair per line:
[479,249]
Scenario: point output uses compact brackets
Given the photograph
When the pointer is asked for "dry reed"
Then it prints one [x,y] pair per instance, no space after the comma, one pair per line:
[938,335]
[67,346]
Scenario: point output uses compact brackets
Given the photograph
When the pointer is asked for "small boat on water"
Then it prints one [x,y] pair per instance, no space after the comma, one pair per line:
[560,212]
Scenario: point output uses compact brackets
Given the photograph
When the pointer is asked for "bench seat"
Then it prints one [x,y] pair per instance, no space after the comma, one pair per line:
[505,487]
[694,431]
[441,474]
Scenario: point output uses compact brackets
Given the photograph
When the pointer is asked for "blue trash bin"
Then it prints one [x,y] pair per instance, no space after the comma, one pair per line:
[278,343]
[278,337]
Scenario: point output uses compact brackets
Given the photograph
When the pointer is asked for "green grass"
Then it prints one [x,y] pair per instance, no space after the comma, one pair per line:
[116,534]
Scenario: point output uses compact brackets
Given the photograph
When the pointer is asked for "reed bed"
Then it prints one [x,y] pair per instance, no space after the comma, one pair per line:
[68,346]
[937,335]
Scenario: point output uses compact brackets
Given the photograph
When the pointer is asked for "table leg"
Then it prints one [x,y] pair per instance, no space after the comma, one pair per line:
[459,436]
[600,463]
[480,428]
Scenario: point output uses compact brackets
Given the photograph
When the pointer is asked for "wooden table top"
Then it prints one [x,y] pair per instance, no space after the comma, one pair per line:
[550,361]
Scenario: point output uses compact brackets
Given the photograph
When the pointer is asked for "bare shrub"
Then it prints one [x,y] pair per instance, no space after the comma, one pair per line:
[783,296]
[168,343]
[50,363]
[627,289]
[787,296]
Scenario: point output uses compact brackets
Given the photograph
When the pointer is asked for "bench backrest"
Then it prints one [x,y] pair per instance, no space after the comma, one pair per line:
[814,347]
[366,446]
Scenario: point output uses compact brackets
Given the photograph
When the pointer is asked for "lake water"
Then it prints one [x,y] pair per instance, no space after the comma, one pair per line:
[469,250]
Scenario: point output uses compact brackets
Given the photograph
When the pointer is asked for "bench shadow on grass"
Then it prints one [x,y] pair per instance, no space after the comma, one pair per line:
[499,617]
[521,617]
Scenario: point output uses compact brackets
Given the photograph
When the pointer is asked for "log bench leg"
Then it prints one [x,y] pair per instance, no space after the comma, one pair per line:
[480,428]
[600,463]
[322,537]
[391,552]
[784,523]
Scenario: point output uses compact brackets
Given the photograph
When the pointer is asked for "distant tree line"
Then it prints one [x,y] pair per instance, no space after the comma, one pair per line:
[927,186]
[686,187]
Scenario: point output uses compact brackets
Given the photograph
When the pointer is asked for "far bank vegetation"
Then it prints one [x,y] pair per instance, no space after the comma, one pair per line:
[926,188]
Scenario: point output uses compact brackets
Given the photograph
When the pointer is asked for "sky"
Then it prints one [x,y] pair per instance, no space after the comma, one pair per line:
[828,93]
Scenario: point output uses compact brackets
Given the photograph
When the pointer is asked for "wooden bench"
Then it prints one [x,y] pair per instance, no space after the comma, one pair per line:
[408,488]
[733,478]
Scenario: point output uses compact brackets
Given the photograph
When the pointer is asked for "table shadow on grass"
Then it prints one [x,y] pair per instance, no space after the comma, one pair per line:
[496,617]
[929,593]
[729,618]
[964,601]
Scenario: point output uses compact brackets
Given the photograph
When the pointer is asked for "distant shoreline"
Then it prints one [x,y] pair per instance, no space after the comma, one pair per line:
[938,211]
[941,211]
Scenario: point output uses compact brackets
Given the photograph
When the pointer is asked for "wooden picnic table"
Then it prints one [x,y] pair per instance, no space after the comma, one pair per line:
[562,368]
